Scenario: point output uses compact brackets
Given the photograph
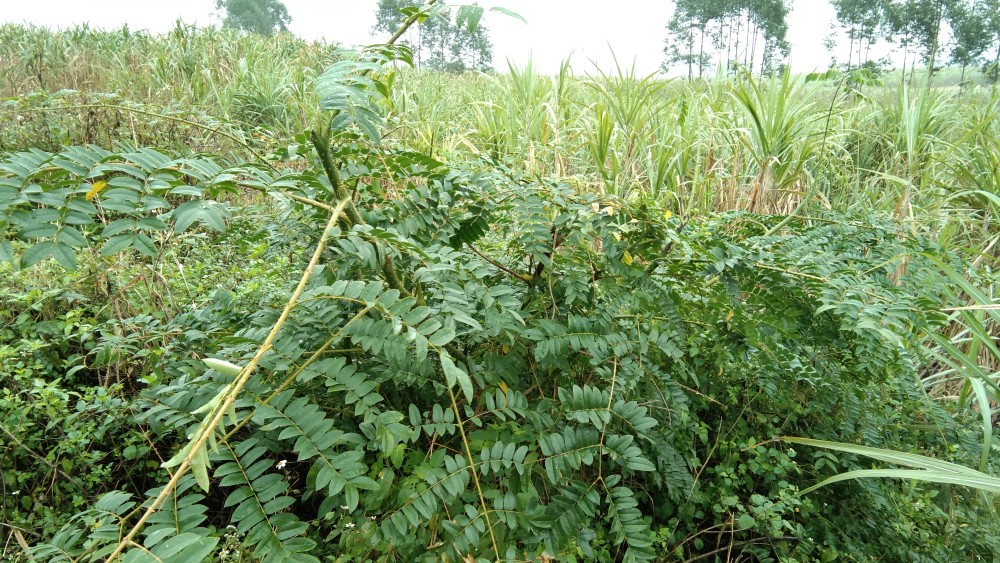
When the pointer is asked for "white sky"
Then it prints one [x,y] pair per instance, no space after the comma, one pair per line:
[635,29]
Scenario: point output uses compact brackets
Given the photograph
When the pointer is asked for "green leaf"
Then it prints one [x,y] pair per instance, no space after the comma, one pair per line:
[982,481]
[199,467]
[209,214]
[931,470]
[181,548]
[116,244]
[144,245]
[71,237]
[469,16]
[442,336]
[451,371]
[454,374]
[509,13]
[347,89]
[64,255]
[37,253]
[228,369]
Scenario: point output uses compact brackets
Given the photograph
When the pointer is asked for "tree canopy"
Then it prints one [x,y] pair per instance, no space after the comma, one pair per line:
[264,17]
[748,33]
[752,34]
[441,42]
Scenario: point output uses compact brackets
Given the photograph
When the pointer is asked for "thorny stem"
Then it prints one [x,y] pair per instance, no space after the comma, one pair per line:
[220,410]
[303,200]
[41,458]
[408,23]
[322,144]
[346,206]
[260,157]
[473,471]
[500,266]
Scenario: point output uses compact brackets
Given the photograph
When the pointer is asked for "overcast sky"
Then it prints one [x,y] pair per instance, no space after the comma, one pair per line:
[588,29]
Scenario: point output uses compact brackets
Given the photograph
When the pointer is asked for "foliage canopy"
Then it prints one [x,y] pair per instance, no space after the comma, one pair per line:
[264,17]
[352,349]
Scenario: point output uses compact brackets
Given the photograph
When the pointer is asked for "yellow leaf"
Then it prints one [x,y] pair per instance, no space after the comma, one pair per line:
[667,214]
[729,317]
[95,189]
[627,258]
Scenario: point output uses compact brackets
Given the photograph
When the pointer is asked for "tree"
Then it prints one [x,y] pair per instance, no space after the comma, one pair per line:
[970,37]
[770,17]
[440,42]
[863,22]
[688,25]
[920,24]
[991,70]
[750,33]
[264,17]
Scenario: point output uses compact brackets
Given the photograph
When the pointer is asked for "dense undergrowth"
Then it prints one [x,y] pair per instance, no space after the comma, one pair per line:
[530,344]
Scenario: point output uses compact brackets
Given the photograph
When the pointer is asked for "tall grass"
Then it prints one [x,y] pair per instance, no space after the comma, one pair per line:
[928,156]
[770,145]
[232,74]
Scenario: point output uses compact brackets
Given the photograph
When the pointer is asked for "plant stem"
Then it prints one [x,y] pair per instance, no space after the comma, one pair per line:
[408,23]
[257,154]
[472,469]
[220,410]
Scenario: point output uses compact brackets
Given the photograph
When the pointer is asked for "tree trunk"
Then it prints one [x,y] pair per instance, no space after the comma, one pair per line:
[739,28]
[690,53]
[701,51]
[729,46]
[746,47]
[934,49]
[850,49]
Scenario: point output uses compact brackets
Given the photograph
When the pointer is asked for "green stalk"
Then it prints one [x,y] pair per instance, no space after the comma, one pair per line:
[219,411]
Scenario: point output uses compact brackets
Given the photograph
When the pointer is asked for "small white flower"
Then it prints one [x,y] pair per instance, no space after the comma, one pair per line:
[372,517]
[349,525]
[281,464]
[15,493]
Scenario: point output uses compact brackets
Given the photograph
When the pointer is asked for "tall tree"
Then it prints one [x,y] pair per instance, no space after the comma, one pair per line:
[440,42]
[264,17]
[771,18]
[751,33]
[920,23]
[969,23]
[688,31]
[863,22]
[992,68]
